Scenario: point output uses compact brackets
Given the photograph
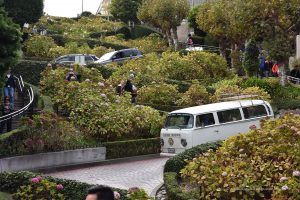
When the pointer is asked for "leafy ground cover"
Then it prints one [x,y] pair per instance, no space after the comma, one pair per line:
[5,196]
[263,163]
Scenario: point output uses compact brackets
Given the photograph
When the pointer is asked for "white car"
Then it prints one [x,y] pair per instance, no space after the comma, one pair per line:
[119,56]
[81,59]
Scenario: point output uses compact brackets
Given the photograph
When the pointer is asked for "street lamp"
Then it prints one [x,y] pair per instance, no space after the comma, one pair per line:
[81,6]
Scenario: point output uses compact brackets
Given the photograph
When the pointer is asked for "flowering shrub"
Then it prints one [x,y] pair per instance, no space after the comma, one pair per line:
[258,165]
[48,132]
[40,188]
[96,109]
[161,94]
[196,95]
[137,194]
[39,46]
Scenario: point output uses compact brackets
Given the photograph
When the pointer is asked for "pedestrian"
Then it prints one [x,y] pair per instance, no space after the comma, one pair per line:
[129,87]
[9,87]
[190,40]
[119,88]
[100,192]
[6,109]
[71,76]
[261,66]
[275,69]
[268,67]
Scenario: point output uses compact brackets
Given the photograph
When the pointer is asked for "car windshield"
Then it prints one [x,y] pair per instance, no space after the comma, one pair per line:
[95,57]
[179,121]
[107,56]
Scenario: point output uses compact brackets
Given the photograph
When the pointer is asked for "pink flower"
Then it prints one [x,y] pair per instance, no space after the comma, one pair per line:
[117,195]
[35,180]
[296,173]
[59,187]
[283,179]
[285,187]
[40,178]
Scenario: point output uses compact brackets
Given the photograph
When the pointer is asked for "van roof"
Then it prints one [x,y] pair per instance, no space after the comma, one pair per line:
[218,106]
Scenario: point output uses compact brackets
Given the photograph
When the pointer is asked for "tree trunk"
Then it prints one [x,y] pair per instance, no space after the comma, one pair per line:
[169,37]
[175,37]
[222,49]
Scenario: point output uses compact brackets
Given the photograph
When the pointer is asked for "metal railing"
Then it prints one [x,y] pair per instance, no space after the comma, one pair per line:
[23,109]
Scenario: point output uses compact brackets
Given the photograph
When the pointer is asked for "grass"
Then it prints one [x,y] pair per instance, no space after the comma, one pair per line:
[5,196]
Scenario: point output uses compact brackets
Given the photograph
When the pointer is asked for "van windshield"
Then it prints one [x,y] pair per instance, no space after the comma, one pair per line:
[179,121]
[107,56]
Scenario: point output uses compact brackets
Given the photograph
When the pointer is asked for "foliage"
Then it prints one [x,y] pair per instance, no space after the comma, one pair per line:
[39,46]
[173,187]
[29,70]
[196,95]
[133,148]
[208,67]
[125,10]
[164,14]
[10,182]
[93,104]
[137,194]
[140,31]
[22,12]
[5,196]
[48,132]
[192,22]
[176,163]
[256,165]
[40,188]
[251,61]
[228,91]
[10,45]
[164,94]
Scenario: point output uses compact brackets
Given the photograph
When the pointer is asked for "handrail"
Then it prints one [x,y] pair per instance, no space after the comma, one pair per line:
[291,78]
[20,111]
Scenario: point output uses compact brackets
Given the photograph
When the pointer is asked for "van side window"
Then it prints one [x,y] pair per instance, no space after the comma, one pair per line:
[127,53]
[254,111]
[229,115]
[205,120]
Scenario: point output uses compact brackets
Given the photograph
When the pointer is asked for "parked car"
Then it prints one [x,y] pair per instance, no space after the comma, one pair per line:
[81,59]
[119,56]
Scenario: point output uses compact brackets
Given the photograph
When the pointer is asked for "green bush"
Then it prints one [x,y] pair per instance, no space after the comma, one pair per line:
[133,148]
[73,190]
[196,95]
[140,31]
[39,188]
[173,188]
[39,46]
[176,163]
[258,165]
[161,94]
[30,70]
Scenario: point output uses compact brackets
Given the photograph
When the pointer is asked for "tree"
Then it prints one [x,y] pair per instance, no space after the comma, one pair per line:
[251,61]
[10,37]
[29,11]
[166,15]
[192,21]
[125,10]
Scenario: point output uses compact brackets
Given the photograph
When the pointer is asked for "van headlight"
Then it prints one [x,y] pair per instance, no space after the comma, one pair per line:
[183,142]
[162,143]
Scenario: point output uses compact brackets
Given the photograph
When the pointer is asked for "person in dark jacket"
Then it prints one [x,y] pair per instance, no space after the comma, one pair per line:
[6,109]
[100,192]
[9,88]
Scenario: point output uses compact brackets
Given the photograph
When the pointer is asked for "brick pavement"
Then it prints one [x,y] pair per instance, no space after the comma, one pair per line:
[146,173]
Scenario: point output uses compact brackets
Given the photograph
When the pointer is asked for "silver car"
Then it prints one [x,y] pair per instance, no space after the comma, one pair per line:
[81,59]
[119,56]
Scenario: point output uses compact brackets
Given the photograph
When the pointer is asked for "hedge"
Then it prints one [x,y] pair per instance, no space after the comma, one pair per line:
[140,31]
[12,144]
[73,190]
[173,189]
[176,163]
[285,104]
[30,70]
[122,149]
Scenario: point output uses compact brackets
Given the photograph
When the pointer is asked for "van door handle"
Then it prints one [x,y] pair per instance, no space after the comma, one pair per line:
[217,131]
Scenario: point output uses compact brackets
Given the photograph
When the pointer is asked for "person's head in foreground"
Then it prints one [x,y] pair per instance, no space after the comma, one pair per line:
[100,192]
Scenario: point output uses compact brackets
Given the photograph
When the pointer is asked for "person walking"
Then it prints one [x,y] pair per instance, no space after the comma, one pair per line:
[9,88]
[6,109]
[275,69]
[190,40]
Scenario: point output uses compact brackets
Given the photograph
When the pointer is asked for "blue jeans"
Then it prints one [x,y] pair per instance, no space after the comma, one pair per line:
[9,91]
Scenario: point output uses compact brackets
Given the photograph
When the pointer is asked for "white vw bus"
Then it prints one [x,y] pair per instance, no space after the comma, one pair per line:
[192,126]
